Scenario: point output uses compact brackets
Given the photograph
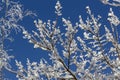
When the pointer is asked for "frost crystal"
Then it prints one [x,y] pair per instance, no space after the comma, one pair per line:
[86,35]
[4,58]
[36,45]
[109,35]
[58,8]
[112,18]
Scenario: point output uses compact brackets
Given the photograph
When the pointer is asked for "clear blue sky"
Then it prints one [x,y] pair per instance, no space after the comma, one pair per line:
[45,10]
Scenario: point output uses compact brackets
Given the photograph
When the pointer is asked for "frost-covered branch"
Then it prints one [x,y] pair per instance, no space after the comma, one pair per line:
[91,53]
[115,3]
[12,14]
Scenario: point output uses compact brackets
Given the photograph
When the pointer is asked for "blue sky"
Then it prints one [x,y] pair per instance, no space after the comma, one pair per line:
[45,10]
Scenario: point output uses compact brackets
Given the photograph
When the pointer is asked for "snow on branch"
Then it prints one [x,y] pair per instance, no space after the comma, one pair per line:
[88,53]
[58,8]
[115,3]
[82,45]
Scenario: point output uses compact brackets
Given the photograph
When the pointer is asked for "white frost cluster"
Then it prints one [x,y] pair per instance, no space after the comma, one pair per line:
[115,3]
[30,74]
[12,17]
[4,59]
[86,35]
[12,14]
[26,34]
[36,71]
[44,30]
[69,28]
[112,18]
[70,44]
[58,8]
[109,35]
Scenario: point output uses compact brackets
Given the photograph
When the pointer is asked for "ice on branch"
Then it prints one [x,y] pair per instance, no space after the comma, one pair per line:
[112,18]
[86,35]
[12,14]
[69,43]
[92,24]
[36,46]
[69,25]
[70,28]
[58,8]
[37,71]
[29,74]
[41,38]
[115,3]
[109,35]
[26,35]
[82,25]
[105,1]
[4,59]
